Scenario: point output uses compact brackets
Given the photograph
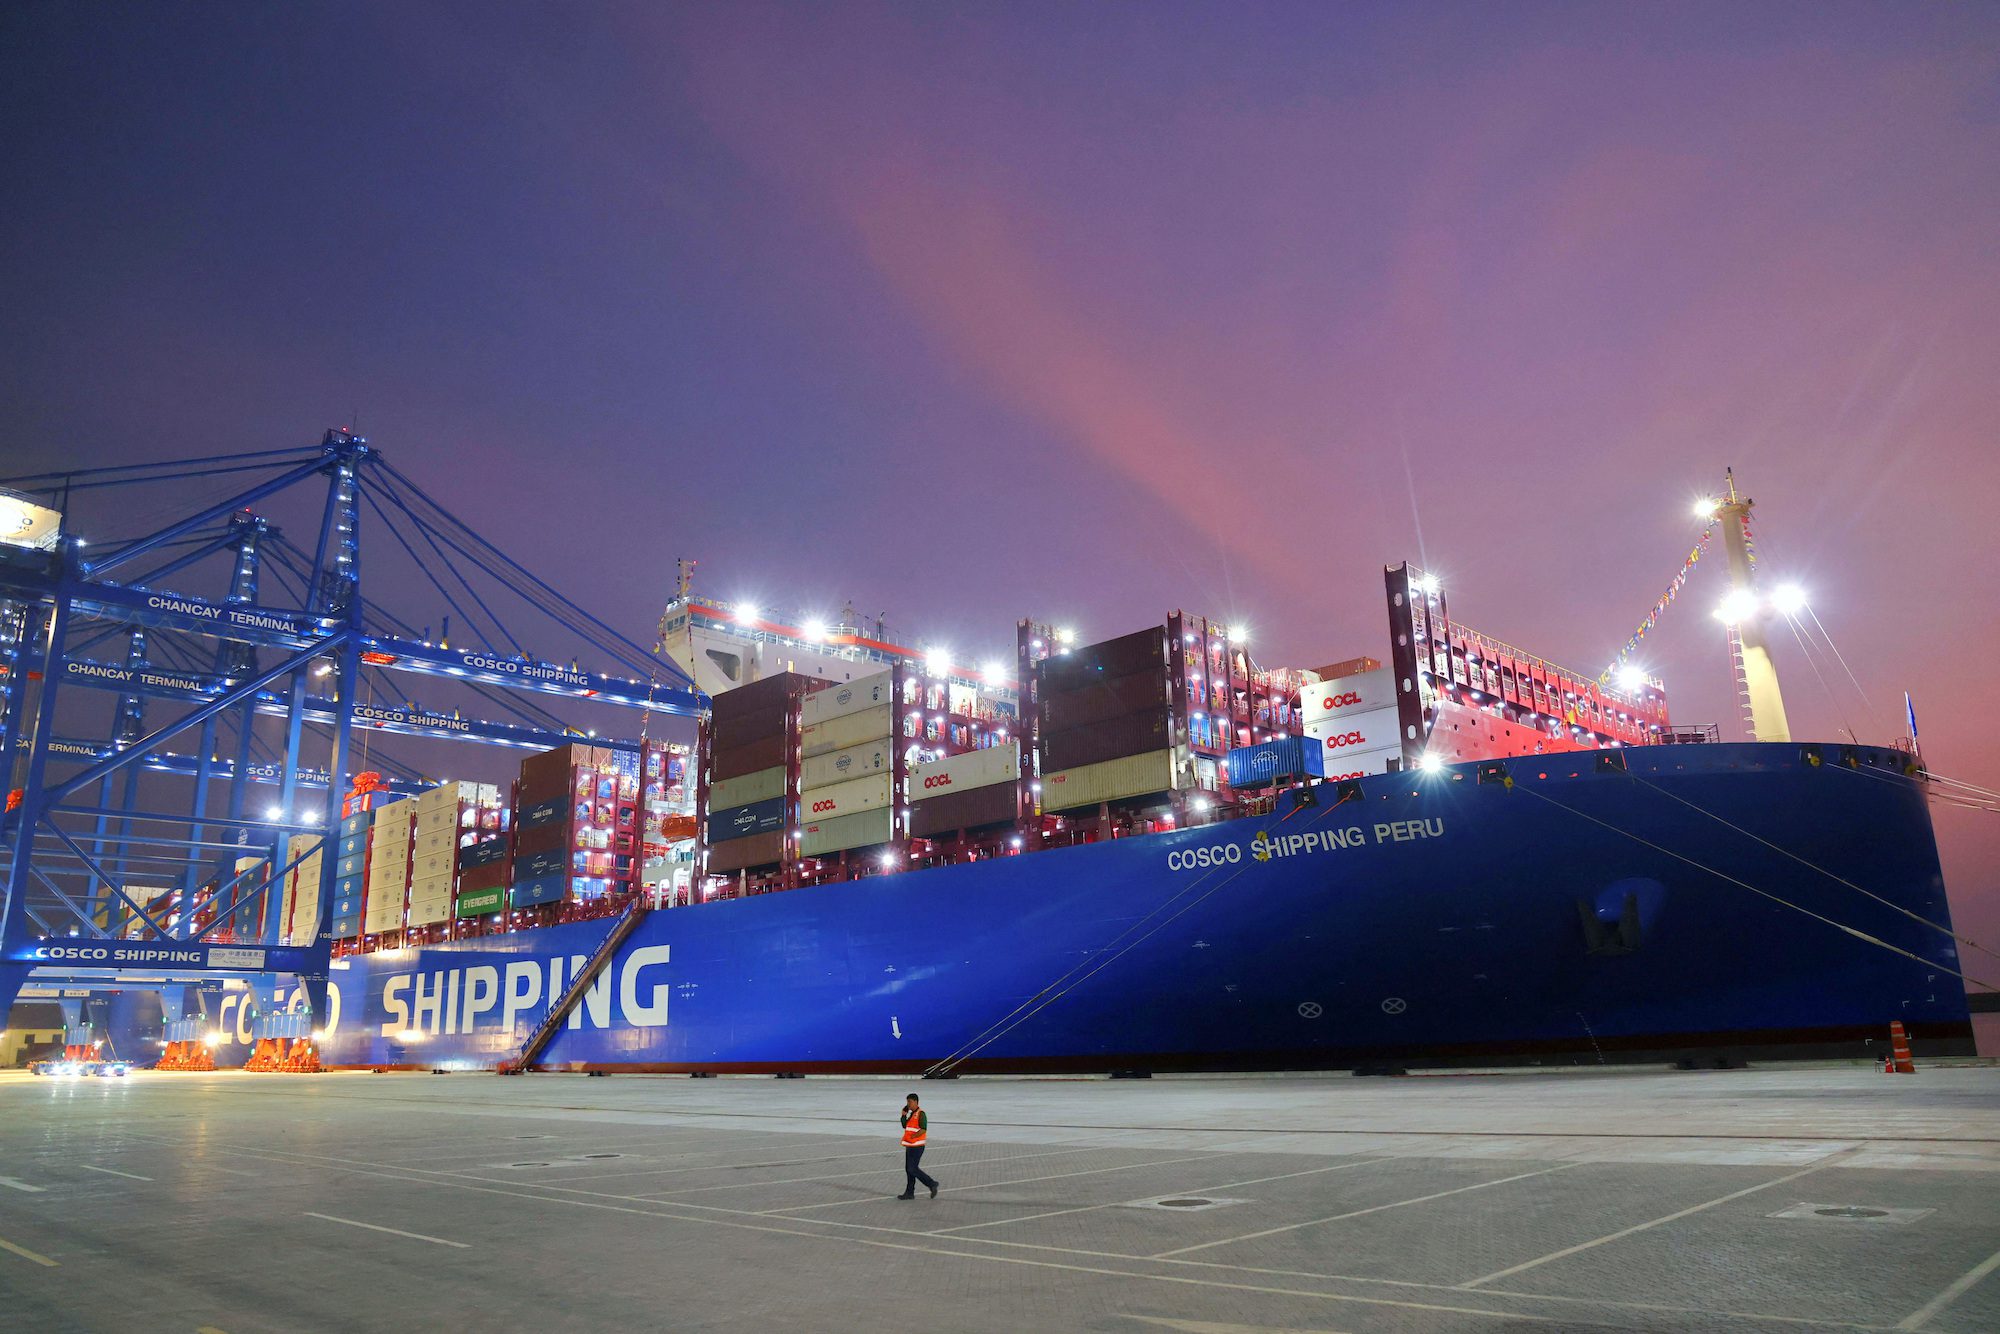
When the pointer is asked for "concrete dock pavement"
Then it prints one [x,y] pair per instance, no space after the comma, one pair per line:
[1779,1198]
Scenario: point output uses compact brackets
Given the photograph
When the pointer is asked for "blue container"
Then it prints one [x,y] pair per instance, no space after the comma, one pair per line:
[484,853]
[353,843]
[356,823]
[1271,762]
[541,813]
[539,864]
[346,926]
[759,817]
[541,889]
[349,906]
[353,864]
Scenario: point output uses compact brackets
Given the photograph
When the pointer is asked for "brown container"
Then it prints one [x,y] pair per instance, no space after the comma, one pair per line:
[748,759]
[740,853]
[498,875]
[744,728]
[1133,734]
[1136,652]
[542,838]
[998,803]
[758,696]
[1334,671]
[548,774]
[1100,701]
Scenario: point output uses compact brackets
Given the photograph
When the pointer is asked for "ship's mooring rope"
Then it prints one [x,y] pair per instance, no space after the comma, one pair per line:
[1813,866]
[1856,932]
[1099,959]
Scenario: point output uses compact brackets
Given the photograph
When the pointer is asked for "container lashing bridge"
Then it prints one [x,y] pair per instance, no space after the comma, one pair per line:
[120,871]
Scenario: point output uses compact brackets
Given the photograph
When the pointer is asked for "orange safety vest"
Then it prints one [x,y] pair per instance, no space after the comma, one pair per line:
[916,1128]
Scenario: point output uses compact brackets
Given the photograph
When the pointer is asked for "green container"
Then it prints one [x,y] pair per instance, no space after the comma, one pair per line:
[480,902]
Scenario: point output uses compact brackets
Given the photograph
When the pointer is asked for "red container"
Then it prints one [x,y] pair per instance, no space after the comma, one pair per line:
[1115,738]
[1100,701]
[1139,651]
[998,804]
[748,759]
[758,696]
[741,853]
[744,728]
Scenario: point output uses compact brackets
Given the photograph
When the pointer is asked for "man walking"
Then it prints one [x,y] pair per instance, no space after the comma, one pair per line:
[916,1130]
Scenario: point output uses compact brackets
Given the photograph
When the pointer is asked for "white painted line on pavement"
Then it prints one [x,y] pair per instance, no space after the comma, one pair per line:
[395,1231]
[1641,1227]
[1930,1309]
[990,1185]
[1356,1213]
[114,1172]
[12,1184]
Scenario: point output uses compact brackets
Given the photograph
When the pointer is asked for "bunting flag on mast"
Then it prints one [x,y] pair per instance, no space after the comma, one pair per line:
[1666,600]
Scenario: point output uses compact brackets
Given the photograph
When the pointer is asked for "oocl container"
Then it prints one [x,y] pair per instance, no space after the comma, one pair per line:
[964,773]
[1365,692]
[837,766]
[1357,732]
[848,730]
[849,798]
[839,700]
[817,838]
[1116,780]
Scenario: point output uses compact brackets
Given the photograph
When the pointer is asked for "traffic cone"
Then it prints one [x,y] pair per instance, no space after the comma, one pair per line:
[1899,1043]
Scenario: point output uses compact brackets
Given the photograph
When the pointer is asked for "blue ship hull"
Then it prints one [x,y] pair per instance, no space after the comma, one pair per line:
[1580,913]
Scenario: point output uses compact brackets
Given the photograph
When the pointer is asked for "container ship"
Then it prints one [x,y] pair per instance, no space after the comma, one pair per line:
[1145,853]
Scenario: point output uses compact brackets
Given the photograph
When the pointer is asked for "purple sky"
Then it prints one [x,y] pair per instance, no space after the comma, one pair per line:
[1086,312]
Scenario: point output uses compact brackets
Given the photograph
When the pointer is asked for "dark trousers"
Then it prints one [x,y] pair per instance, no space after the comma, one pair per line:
[913,1169]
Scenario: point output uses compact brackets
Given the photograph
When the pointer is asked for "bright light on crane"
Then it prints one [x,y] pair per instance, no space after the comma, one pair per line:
[1790,599]
[1630,678]
[813,630]
[1737,607]
[995,673]
[1706,507]
[1238,634]
[937,661]
[747,612]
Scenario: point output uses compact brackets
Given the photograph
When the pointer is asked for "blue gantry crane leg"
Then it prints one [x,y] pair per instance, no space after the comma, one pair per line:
[70,905]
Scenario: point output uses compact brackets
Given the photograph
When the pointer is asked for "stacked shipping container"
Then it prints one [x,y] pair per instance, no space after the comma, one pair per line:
[388,869]
[1108,724]
[576,826]
[1354,721]
[848,766]
[750,754]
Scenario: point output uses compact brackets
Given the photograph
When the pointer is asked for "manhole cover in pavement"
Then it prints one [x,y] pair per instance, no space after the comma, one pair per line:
[1182,1203]
[1852,1213]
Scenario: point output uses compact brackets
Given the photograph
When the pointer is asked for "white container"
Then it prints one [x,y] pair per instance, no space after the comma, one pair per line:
[963,773]
[823,706]
[849,798]
[1114,780]
[434,841]
[837,766]
[431,886]
[1364,692]
[433,864]
[848,730]
[747,789]
[1355,732]
[1361,764]
[429,911]
[820,837]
